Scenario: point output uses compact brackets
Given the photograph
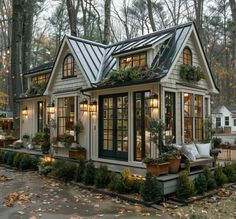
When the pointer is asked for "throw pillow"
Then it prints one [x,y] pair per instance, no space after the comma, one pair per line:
[204,150]
[190,151]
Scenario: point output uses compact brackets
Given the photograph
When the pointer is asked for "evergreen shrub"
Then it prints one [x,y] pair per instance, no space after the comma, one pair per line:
[64,170]
[201,184]
[186,186]
[102,177]
[79,172]
[220,177]
[89,173]
[211,182]
[150,189]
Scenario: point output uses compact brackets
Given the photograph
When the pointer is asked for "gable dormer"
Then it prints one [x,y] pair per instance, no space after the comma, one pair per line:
[37,79]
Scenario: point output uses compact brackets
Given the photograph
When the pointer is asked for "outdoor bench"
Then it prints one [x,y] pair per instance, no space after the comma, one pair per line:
[200,162]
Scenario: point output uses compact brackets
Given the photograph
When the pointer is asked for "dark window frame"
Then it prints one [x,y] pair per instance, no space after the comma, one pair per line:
[193,119]
[227,121]
[132,60]
[43,114]
[112,154]
[66,74]
[173,117]
[40,79]
[65,118]
[143,128]
[189,59]
[219,121]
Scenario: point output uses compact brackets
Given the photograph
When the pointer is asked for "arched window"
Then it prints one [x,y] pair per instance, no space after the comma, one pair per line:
[68,66]
[187,56]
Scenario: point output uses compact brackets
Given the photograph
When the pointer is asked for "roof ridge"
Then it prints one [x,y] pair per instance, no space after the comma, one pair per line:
[132,39]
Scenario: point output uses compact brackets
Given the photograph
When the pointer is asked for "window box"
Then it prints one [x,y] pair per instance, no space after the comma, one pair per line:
[77,153]
[191,73]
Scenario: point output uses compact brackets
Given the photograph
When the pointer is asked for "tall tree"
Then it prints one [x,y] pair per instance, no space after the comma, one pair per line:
[107,22]
[150,15]
[73,9]
[198,6]
[22,23]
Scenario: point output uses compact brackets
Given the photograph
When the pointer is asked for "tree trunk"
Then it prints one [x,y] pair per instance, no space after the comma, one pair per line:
[73,9]
[198,6]
[150,15]
[107,22]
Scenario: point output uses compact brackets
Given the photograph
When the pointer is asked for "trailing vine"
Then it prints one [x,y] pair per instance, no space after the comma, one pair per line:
[127,74]
[191,73]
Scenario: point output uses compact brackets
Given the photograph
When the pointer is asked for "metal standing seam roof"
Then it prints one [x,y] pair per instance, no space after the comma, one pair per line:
[97,60]
[43,67]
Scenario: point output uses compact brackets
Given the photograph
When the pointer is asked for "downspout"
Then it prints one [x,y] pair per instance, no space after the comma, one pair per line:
[90,151]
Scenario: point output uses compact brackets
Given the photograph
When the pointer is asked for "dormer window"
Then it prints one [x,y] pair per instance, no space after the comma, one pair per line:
[134,60]
[40,79]
[68,66]
[187,56]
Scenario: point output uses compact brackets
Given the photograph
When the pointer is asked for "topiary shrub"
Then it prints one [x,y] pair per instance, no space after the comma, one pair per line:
[64,170]
[114,178]
[136,185]
[150,190]
[25,162]
[1,156]
[10,158]
[211,182]
[186,186]
[220,177]
[89,173]
[17,159]
[125,182]
[5,156]
[230,171]
[201,184]
[102,177]
[79,172]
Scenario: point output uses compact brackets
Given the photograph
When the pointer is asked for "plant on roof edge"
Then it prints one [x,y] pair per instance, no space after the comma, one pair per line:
[36,89]
[122,75]
[191,73]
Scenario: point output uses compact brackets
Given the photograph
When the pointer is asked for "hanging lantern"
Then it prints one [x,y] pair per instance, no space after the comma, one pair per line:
[83,105]
[153,101]
[93,107]
[25,112]
[51,108]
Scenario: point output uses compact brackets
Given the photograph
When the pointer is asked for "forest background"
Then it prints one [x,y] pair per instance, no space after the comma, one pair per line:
[31,32]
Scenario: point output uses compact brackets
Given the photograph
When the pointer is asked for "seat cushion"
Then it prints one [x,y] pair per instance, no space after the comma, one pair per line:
[204,150]
[190,151]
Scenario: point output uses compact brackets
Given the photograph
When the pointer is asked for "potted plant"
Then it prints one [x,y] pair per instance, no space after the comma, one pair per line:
[173,157]
[66,140]
[45,146]
[216,142]
[25,139]
[8,140]
[159,165]
[77,151]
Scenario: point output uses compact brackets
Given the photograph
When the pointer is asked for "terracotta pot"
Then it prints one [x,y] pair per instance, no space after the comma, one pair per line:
[158,169]
[163,168]
[79,153]
[174,165]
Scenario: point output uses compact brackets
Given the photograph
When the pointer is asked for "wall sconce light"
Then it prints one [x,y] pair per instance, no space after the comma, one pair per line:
[153,101]
[83,105]
[51,108]
[25,112]
[93,107]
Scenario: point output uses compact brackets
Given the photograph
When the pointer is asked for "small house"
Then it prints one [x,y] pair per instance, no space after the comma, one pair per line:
[113,90]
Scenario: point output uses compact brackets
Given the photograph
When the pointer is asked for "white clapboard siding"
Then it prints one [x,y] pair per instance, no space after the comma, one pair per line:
[197,61]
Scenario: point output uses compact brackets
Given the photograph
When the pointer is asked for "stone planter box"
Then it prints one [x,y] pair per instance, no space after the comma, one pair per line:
[61,151]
